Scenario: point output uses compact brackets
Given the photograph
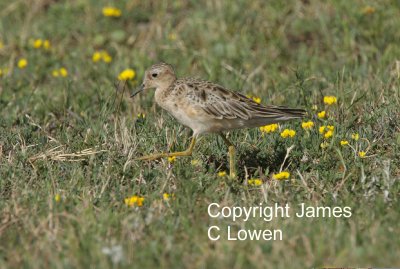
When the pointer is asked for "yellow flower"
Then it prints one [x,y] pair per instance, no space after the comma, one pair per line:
[140,201]
[314,107]
[134,200]
[37,43]
[355,136]
[256,99]
[327,131]
[368,10]
[171,159]
[269,128]
[57,198]
[221,173]
[194,162]
[127,74]
[322,114]
[255,182]
[362,154]
[328,134]
[106,57]
[344,142]
[101,55]
[96,56]
[46,44]
[324,129]
[111,12]
[55,73]
[288,133]
[324,145]
[141,115]
[167,196]
[281,175]
[63,72]
[172,36]
[330,100]
[307,125]
[22,63]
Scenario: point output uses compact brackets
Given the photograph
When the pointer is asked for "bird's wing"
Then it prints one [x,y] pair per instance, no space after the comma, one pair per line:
[220,103]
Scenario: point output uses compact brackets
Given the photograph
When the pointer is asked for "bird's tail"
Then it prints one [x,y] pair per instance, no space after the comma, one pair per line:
[278,112]
[294,113]
[275,114]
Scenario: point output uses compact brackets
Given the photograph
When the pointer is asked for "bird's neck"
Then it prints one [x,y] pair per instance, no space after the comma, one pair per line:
[164,91]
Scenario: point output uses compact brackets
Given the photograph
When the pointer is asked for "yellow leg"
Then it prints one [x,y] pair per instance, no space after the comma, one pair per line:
[231,148]
[232,163]
[187,152]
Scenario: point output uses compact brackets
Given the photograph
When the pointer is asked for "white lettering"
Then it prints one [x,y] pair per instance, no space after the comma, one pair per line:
[209,233]
[347,212]
[229,235]
[209,210]
[266,235]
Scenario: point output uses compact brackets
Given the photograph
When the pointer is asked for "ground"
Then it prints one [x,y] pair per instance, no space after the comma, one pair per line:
[72,195]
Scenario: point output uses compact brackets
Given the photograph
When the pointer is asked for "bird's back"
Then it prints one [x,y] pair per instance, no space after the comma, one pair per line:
[208,107]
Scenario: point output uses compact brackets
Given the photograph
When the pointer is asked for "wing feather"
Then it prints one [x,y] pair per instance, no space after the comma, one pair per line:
[220,103]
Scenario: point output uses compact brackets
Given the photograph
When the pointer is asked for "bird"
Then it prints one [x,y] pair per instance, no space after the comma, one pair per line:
[206,107]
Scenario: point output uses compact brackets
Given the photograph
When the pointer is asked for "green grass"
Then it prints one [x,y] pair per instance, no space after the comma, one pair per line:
[288,53]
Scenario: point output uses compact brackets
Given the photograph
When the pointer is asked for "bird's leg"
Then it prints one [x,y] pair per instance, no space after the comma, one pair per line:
[187,152]
[231,148]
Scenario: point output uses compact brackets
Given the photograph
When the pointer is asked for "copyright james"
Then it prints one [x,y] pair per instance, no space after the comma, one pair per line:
[266,213]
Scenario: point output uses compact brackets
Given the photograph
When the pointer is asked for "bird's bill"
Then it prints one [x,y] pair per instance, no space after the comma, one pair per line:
[141,88]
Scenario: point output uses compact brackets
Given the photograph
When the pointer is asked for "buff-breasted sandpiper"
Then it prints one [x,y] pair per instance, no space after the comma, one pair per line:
[206,107]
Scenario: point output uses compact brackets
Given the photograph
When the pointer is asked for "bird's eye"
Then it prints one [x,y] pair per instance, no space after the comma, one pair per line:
[154,75]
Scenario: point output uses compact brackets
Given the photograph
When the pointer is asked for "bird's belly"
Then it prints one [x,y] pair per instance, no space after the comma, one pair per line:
[200,122]
[190,118]
[188,115]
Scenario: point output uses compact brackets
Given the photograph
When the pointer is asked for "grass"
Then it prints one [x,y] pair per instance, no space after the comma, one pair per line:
[75,137]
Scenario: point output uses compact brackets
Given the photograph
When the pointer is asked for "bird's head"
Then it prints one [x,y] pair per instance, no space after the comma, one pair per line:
[159,75]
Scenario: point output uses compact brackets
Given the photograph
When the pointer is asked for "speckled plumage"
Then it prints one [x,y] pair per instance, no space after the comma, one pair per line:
[206,107]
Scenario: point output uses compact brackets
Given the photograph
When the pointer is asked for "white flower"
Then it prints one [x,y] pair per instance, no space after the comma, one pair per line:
[114,252]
